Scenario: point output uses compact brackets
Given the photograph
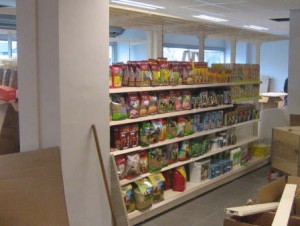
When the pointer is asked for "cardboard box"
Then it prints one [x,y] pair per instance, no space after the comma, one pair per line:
[31,189]
[262,219]
[271,100]
[7,93]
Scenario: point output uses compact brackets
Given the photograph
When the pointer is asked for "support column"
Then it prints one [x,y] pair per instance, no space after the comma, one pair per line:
[201,37]
[233,50]
[294,66]
[158,42]
[63,90]
[257,52]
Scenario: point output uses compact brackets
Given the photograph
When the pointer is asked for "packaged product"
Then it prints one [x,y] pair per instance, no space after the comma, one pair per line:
[164,70]
[184,152]
[187,73]
[133,105]
[172,153]
[214,170]
[156,76]
[188,128]
[163,132]
[172,99]
[128,198]
[158,182]
[171,128]
[144,161]
[117,75]
[133,135]
[178,101]
[143,194]
[132,166]
[220,119]
[207,121]
[153,105]
[195,101]
[179,179]
[144,103]
[156,130]
[110,78]
[126,75]
[204,100]
[163,102]
[168,179]
[199,171]
[186,100]
[121,137]
[197,123]
[155,159]
[206,144]
[195,147]
[118,107]
[213,122]
[143,74]
[145,133]
[132,73]
[181,120]
[175,75]
[121,166]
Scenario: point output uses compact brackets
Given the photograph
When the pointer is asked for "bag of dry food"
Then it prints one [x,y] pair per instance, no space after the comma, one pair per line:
[178,101]
[168,179]
[134,135]
[156,129]
[121,137]
[187,73]
[128,197]
[186,100]
[163,102]
[131,73]
[118,107]
[145,132]
[188,128]
[158,182]
[175,78]
[181,120]
[172,99]
[171,128]
[164,70]
[156,76]
[184,152]
[153,106]
[172,153]
[155,159]
[144,162]
[133,168]
[144,103]
[117,76]
[121,165]
[195,147]
[133,103]
[143,74]
[143,194]
[163,132]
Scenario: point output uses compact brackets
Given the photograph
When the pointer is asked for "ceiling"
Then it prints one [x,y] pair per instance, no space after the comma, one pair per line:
[237,12]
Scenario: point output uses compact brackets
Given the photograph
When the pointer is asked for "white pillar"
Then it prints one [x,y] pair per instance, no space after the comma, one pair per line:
[158,42]
[294,66]
[257,52]
[63,89]
[201,37]
[233,50]
[150,44]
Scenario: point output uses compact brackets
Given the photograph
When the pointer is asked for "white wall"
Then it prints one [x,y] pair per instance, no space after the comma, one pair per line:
[241,53]
[274,63]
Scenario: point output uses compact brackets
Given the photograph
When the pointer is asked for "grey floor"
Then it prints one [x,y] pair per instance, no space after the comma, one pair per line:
[208,209]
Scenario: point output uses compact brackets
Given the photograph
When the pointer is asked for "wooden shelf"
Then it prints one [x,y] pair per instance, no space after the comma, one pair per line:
[246,83]
[178,139]
[173,198]
[181,163]
[169,114]
[161,88]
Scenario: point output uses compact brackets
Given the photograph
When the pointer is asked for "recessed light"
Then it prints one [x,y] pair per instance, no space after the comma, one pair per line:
[254,27]
[210,18]
[137,4]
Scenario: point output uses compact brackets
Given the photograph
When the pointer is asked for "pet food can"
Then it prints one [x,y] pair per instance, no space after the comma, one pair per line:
[214,143]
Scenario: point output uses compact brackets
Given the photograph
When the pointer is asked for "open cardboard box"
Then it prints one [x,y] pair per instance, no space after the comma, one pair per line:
[31,189]
[271,100]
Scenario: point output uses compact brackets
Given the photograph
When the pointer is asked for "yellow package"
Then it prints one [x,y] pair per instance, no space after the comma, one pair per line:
[158,182]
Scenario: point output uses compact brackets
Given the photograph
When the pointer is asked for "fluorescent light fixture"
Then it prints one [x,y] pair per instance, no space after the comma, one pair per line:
[256,27]
[210,18]
[137,4]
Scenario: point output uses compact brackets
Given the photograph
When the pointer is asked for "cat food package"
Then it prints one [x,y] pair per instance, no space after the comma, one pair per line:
[145,133]
[164,70]
[163,102]
[172,99]
[156,75]
[133,168]
[133,105]
[143,194]
[197,123]
[195,147]
[168,179]
[156,130]
[187,74]
[175,76]
[163,132]
[117,76]
[118,107]
[171,128]
[128,197]
[133,135]
[184,152]
[158,182]
[172,153]
[153,104]
[155,159]
[143,74]
[186,100]
[121,135]
[121,165]
[144,161]
[188,128]
[181,121]
[178,101]
[144,104]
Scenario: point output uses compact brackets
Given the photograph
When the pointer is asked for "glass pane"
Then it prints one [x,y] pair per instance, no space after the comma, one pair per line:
[4,50]
[180,54]
[214,57]
[14,49]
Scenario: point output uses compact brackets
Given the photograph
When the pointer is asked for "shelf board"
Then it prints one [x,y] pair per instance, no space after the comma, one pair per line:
[161,88]
[178,139]
[169,114]
[246,83]
[181,163]
[173,198]
[245,99]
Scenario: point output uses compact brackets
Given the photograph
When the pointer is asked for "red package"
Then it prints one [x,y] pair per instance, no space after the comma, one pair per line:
[144,103]
[178,101]
[121,137]
[134,136]
[117,76]
[168,179]
[121,165]
[7,93]
[144,162]
[178,181]
[133,103]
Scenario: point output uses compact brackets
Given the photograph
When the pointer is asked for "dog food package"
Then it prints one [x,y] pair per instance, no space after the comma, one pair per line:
[121,165]
[156,130]
[171,128]
[128,198]
[133,135]
[156,75]
[132,166]
[118,107]
[184,152]
[155,159]
[126,75]
[153,104]
[195,147]
[179,179]
[143,74]
[181,121]
[164,70]
[175,76]
[168,179]
[117,76]
[163,132]
[145,132]
[172,153]
[143,194]
[144,162]
[197,123]
[178,101]
[187,74]
[186,100]
[133,103]
[172,99]
[188,128]
[121,136]
[131,73]
[158,182]
[163,102]
[144,103]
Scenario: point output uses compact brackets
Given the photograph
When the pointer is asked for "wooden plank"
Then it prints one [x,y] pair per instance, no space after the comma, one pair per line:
[251,209]
[285,206]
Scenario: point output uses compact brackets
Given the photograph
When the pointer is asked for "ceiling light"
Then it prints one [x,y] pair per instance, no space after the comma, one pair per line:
[210,18]
[137,4]
[256,27]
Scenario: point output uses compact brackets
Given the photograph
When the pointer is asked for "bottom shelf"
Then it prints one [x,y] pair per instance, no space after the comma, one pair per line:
[173,198]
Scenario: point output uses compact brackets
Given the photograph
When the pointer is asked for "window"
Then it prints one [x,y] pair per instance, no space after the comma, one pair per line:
[214,56]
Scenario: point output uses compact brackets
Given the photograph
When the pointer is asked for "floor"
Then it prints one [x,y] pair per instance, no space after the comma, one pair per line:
[208,209]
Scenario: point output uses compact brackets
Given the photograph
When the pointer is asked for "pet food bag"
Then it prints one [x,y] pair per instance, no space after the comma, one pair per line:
[133,168]
[128,198]
[158,182]
[143,194]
